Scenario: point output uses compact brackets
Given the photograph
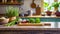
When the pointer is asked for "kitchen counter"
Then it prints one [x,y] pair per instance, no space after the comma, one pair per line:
[32,29]
[28,28]
[53,16]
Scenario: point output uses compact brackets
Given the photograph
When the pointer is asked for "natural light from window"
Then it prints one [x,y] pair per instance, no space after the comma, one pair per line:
[49,3]
[59,5]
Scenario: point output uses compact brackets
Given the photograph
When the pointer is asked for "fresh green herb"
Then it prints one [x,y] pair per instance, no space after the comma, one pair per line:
[55,4]
[11,12]
[11,23]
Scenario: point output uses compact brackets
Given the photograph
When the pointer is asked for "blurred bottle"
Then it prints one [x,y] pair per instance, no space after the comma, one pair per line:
[38,10]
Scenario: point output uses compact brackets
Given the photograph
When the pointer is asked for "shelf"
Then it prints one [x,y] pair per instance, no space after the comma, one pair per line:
[11,3]
[38,16]
[15,27]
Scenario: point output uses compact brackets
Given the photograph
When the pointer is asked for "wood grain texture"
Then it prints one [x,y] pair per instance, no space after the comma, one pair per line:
[30,24]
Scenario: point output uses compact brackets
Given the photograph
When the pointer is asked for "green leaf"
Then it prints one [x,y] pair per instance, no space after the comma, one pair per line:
[46,4]
[55,4]
[49,7]
[37,20]
[11,11]
[32,20]
[11,23]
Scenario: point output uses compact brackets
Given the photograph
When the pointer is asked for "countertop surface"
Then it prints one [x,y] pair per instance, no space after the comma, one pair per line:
[15,27]
[53,16]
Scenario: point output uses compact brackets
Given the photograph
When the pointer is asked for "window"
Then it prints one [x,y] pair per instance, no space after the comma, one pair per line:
[59,5]
[58,0]
[49,2]
[54,24]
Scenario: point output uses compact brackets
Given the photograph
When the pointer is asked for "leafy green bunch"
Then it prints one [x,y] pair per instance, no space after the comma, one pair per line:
[55,4]
[47,5]
[11,11]
[12,22]
[31,20]
[37,20]
[34,20]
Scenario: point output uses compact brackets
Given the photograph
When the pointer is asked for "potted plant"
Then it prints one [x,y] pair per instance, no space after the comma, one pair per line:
[56,5]
[12,13]
[48,12]
[57,13]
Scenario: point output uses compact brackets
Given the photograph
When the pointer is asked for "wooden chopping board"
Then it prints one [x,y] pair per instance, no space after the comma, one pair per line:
[30,24]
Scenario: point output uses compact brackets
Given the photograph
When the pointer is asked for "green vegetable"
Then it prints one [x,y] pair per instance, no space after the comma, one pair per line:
[32,20]
[11,23]
[37,20]
[11,12]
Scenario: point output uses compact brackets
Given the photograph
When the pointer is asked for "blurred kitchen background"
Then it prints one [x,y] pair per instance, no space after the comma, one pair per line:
[26,6]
